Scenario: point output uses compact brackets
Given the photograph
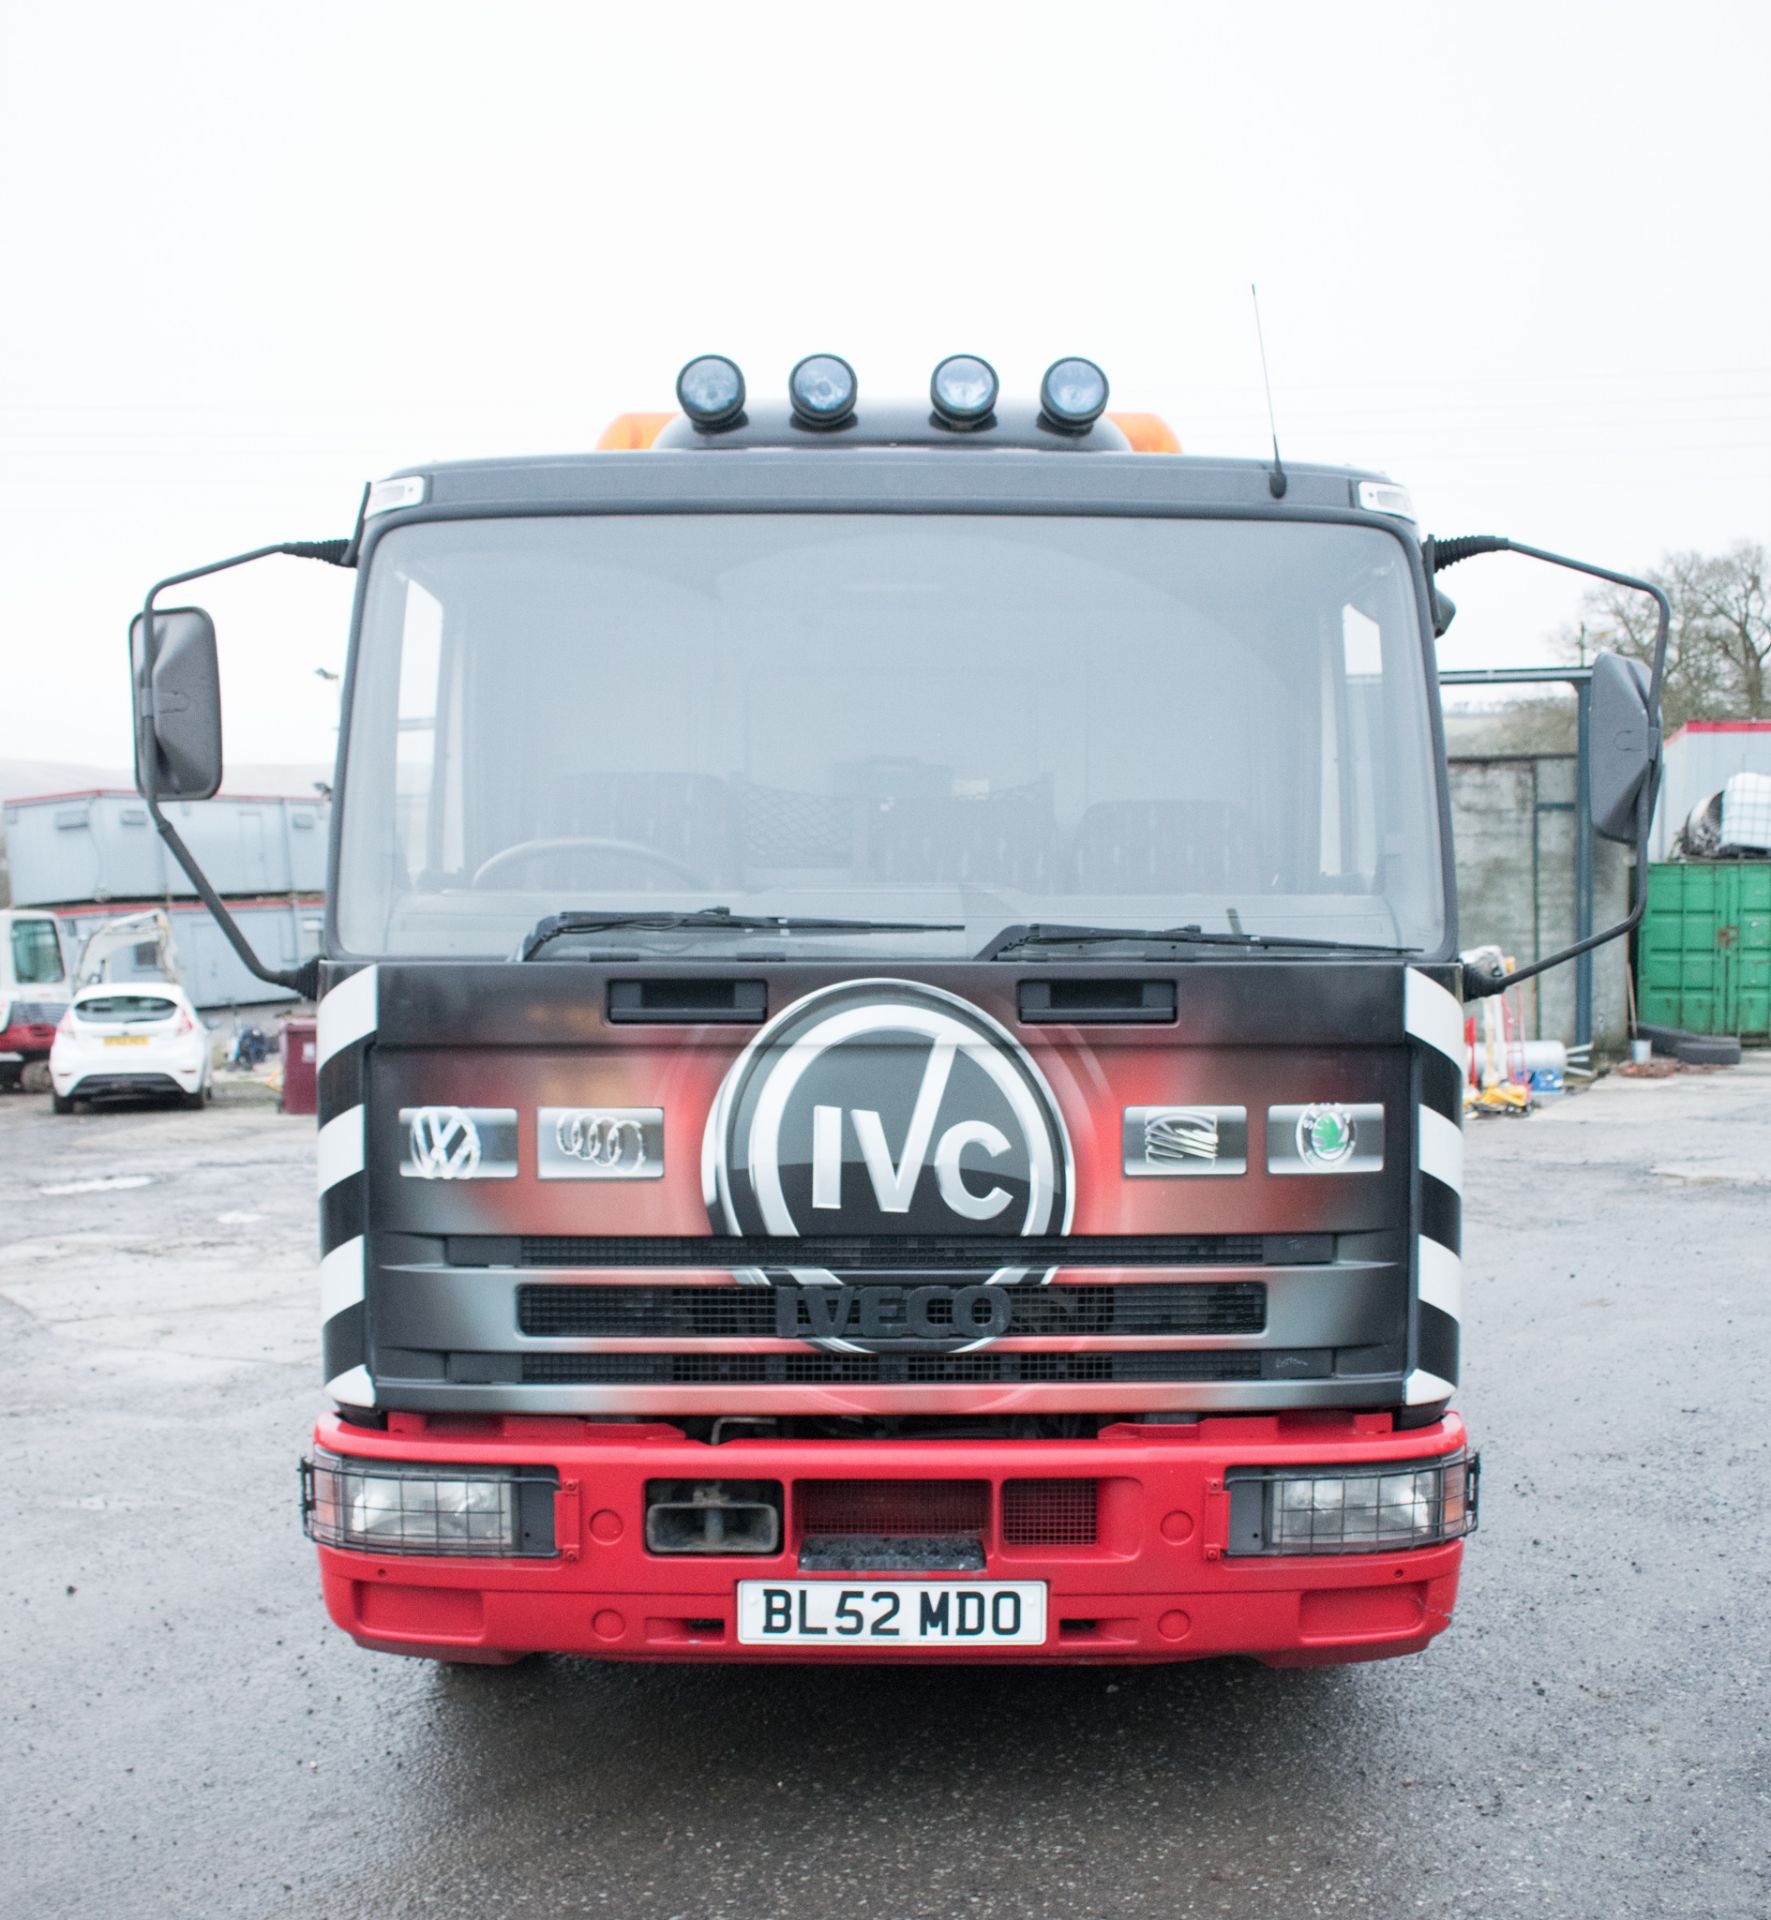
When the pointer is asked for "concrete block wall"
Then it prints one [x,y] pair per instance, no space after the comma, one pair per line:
[1513,823]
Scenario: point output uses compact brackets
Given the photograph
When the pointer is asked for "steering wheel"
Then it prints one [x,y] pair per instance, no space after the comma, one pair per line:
[578,843]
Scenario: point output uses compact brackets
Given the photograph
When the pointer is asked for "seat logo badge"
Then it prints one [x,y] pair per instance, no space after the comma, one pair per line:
[880,1110]
[1181,1133]
[600,1143]
[1177,1142]
[445,1144]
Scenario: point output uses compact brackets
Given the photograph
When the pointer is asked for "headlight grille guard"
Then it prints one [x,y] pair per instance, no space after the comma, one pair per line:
[1338,1508]
[518,1522]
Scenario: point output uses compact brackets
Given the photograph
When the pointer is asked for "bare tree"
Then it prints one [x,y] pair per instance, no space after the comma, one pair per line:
[1719,644]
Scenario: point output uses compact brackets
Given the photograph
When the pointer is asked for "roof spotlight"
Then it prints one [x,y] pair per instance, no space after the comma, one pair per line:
[964,390]
[1073,394]
[710,390]
[822,388]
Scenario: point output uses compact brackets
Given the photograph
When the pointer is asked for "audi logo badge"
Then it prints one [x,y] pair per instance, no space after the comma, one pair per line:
[459,1143]
[878,1109]
[600,1143]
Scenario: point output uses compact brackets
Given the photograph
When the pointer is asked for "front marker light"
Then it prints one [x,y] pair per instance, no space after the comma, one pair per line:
[389,496]
[388,1506]
[1384,496]
[1378,1509]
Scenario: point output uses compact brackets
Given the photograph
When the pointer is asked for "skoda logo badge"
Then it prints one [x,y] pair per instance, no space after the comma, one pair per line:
[1325,1135]
[880,1109]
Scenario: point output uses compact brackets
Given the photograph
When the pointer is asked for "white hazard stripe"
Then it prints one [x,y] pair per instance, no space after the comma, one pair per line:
[341,1278]
[347,1013]
[1421,1388]
[352,1388]
[1441,1277]
[341,1148]
[1428,1012]
[1441,1148]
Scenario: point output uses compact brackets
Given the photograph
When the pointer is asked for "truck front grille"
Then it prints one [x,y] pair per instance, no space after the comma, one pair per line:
[889,1369]
[907,1253]
[614,1312]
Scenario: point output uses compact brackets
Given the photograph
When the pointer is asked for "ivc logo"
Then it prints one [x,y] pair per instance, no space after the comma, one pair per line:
[885,1108]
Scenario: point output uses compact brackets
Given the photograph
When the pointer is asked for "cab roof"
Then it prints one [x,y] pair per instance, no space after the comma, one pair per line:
[892,460]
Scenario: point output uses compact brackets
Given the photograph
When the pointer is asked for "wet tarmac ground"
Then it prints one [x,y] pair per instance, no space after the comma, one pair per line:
[186,1735]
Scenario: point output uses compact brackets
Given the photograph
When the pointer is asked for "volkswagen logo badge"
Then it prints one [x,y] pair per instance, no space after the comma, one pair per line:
[445,1144]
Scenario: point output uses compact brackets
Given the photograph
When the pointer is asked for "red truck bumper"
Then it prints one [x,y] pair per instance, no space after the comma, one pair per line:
[1155,1583]
[24,1042]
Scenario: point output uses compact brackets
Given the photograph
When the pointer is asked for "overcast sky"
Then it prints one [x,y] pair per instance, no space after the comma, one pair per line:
[1514,255]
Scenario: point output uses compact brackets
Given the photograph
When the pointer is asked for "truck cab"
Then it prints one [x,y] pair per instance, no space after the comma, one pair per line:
[891,1047]
[33,990]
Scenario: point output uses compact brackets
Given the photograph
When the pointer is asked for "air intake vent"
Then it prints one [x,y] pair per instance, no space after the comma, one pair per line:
[678,1000]
[892,1506]
[1085,1002]
[1049,1513]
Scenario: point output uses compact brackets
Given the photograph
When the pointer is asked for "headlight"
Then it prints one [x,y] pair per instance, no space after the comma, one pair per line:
[1073,394]
[710,391]
[1413,1503]
[385,1506]
[822,389]
[963,390]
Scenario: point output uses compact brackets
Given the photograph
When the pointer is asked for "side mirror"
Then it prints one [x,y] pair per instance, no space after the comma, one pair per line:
[177,689]
[1623,745]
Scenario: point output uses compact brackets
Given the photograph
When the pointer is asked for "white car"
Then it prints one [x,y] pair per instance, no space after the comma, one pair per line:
[140,1037]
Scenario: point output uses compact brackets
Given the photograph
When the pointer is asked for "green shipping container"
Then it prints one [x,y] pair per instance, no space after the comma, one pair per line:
[1704,952]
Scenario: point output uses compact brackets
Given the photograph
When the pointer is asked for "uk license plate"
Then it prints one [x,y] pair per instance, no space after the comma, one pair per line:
[891,1613]
[126,1039]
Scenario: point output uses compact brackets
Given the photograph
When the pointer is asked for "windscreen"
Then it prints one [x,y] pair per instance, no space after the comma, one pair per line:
[36,953]
[126,1006]
[952,723]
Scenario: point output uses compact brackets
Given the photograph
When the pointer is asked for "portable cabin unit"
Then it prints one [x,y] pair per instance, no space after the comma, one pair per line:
[101,846]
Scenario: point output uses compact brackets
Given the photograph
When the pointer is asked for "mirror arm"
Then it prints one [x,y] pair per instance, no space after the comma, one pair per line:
[1440,554]
[305,979]
[1447,553]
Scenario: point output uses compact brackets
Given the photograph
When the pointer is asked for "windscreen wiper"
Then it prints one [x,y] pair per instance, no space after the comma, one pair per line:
[561,926]
[1041,934]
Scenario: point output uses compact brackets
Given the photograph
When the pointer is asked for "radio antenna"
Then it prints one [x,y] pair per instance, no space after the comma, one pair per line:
[1276,480]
